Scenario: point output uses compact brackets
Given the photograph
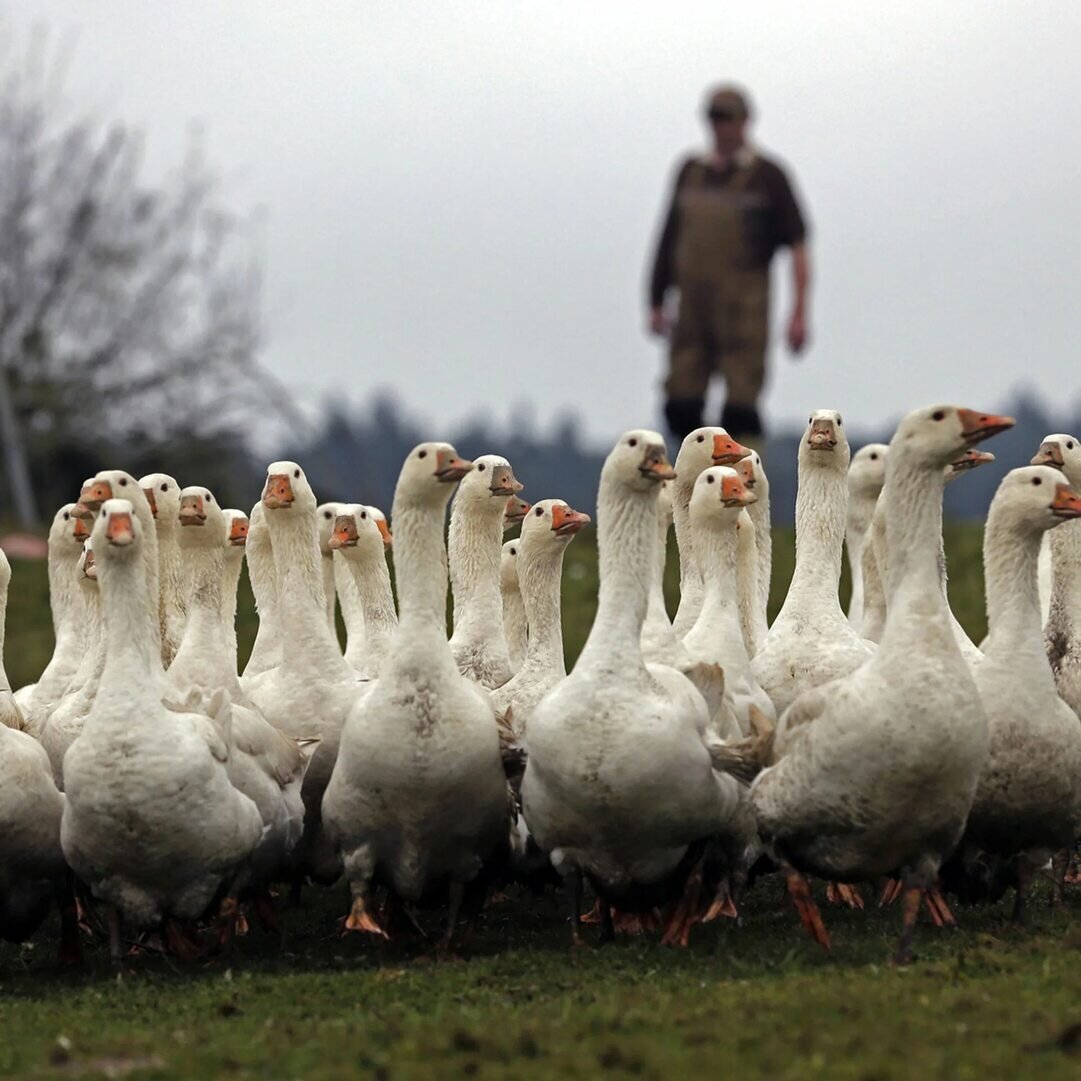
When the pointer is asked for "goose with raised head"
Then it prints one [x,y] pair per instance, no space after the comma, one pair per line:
[866,475]
[151,822]
[700,449]
[264,764]
[38,700]
[514,623]
[620,785]
[660,643]
[1056,450]
[875,772]
[236,539]
[475,545]
[717,507]
[550,526]
[515,512]
[360,540]
[1062,628]
[810,641]
[325,515]
[266,650]
[1028,802]
[754,557]
[163,495]
[418,802]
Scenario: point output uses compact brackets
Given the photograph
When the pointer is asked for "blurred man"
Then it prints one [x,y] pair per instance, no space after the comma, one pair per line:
[730,211]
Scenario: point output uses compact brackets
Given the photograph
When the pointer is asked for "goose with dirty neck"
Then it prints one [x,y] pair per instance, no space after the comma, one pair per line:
[866,476]
[236,539]
[874,773]
[660,643]
[266,650]
[475,545]
[615,730]
[514,622]
[264,764]
[811,641]
[1028,802]
[37,701]
[360,540]
[325,514]
[717,507]
[550,526]
[418,802]
[754,557]
[163,495]
[152,823]
[700,449]
[1062,627]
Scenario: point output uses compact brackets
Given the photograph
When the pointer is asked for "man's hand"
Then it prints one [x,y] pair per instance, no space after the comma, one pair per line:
[797,331]
[658,322]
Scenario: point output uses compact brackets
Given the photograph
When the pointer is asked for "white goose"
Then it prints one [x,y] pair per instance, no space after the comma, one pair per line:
[550,526]
[325,515]
[475,543]
[236,540]
[1028,803]
[266,650]
[620,785]
[360,540]
[151,822]
[717,507]
[660,643]
[514,622]
[418,801]
[754,554]
[866,475]
[1055,450]
[163,494]
[516,510]
[876,771]
[810,641]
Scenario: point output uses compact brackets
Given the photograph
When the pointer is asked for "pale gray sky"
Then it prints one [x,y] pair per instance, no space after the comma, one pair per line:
[461,198]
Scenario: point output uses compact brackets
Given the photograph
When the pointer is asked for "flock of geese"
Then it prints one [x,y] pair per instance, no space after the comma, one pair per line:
[148,788]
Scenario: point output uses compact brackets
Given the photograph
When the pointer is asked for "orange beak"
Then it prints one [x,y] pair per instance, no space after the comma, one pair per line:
[149,493]
[516,511]
[238,532]
[504,482]
[192,510]
[451,468]
[976,427]
[91,499]
[345,533]
[745,468]
[119,530]
[566,521]
[823,435]
[384,532]
[1049,454]
[278,492]
[90,568]
[1067,503]
[79,529]
[655,465]
[726,451]
[734,494]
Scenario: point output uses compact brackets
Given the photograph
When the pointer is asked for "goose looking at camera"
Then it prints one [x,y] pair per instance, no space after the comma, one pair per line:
[163,496]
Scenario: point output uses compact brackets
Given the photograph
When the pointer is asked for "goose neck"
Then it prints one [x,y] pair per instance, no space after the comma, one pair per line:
[204,634]
[130,653]
[718,625]
[682,489]
[539,576]
[65,599]
[1065,577]
[820,524]
[420,559]
[373,598]
[759,513]
[475,547]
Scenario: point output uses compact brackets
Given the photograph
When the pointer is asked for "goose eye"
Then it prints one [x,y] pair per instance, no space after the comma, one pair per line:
[1037,481]
[539,511]
[326,515]
[514,551]
[840,422]
[423,454]
[938,414]
[363,514]
[165,487]
[632,442]
[67,517]
[480,468]
[1069,445]
[296,474]
[709,480]
[700,439]
[209,498]
[123,483]
[874,457]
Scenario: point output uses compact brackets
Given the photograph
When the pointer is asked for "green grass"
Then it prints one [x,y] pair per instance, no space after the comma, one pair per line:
[759,1000]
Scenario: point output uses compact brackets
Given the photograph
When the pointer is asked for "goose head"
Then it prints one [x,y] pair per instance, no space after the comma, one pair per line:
[429,473]
[552,522]
[202,521]
[88,569]
[236,526]
[705,447]
[1036,497]
[361,531]
[163,494]
[867,470]
[287,489]
[824,443]
[664,503]
[66,532]
[325,515]
[720,494]
[508,566]
[1061,452]
[638,462]
[966,462]
[117,534]
[515,511]
[108,484]
[489,485]
[939,434]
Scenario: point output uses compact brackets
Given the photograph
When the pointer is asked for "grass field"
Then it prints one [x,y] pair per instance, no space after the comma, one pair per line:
[759,1000]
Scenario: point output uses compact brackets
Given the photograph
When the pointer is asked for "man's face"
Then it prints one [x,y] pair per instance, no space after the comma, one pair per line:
[728,130]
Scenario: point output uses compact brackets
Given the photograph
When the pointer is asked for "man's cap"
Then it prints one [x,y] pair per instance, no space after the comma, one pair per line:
[730,100]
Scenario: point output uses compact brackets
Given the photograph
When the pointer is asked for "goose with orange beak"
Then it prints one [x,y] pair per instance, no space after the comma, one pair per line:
[874,773]
[616,728]
[418,802]
[360,541]
[1055,451]
[811,642]
[236,540]
[326,514]
[163,497]
[474,548]
[514,622]
[754,560]
[514,515]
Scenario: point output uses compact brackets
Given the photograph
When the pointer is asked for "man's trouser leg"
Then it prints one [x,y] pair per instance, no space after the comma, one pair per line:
[689,365]
[743,332]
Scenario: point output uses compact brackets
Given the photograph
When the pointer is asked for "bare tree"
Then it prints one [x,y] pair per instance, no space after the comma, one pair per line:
[127,310]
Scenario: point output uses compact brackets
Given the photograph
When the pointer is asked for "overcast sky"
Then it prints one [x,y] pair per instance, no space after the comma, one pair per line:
[461,198]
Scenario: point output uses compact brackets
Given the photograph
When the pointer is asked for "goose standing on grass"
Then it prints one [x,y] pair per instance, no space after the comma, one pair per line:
[38,700]
[236,539]
[266,650]
[418,802]
[514,622]
[866,475]
[620,785]
[163,495]
[475,545]
[546,532]
[811,641]
[32,867]
[1028,803]
[151,823]
[701,449]
[876,771]
[360,540]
